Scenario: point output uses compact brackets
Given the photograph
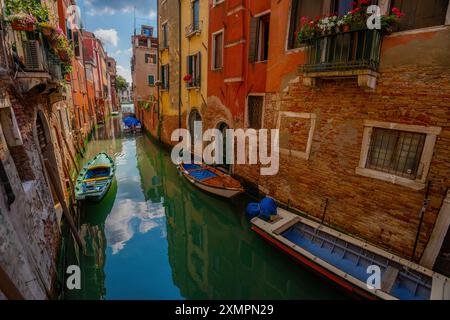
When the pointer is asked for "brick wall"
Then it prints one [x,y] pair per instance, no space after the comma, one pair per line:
[379,211]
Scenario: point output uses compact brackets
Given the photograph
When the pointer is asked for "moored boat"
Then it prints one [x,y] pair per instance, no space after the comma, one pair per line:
[349,262]
[211,180]
[95,178]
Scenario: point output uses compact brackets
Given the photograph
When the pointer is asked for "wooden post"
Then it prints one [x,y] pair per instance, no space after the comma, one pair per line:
[72,186]
[8,288]
[66,212]
[70,154]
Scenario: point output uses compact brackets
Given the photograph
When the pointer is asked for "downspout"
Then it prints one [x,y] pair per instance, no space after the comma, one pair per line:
[180,66]
[158,54]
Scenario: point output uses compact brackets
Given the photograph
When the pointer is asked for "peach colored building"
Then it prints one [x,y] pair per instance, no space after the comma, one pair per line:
[144,69]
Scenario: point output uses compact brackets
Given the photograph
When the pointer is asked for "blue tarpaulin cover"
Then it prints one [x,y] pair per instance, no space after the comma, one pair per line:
[202,174]
[131,121]
[264,209]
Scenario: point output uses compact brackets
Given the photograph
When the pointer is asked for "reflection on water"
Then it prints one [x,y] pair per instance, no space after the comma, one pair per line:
[155,236]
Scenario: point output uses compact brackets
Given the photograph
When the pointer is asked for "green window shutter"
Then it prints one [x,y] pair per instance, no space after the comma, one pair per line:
[254,26]
[199,69]
[151,80]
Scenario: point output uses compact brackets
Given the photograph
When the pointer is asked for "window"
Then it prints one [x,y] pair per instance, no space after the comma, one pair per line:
[151,80]
[196,14]
[259,38]
[255,105]
[165,77]
[165,35]
[301,8]
[421,13]
[76,43]
[194,68]
[397,153]
[150,58]
[217,61]
[6,186]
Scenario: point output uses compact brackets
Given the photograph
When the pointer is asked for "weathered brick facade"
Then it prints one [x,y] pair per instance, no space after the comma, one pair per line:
[413,88]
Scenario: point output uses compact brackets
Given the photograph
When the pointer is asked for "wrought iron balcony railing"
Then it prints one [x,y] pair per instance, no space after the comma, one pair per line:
[353,50]
[194,28]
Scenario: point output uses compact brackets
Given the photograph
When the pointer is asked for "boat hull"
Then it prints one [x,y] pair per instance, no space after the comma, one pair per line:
[225,193]
[346,260]
[92,184]
[94,196]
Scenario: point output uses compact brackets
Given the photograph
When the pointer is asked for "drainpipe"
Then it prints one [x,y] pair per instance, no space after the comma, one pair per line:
[158,70]
[179,71]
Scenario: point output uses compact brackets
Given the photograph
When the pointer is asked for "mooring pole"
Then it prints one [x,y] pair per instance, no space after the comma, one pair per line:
[325,207]
[426,202]
[66,212]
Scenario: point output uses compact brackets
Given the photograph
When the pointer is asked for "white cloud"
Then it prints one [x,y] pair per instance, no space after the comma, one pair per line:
[124,72]
[108,7]
[152,14]
[108,36]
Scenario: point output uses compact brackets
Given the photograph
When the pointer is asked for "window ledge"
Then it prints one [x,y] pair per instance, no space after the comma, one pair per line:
[412,184]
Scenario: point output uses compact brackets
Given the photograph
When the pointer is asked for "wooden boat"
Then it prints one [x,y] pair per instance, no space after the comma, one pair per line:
[211,180]
[345,260]
[115,113]
[95,178]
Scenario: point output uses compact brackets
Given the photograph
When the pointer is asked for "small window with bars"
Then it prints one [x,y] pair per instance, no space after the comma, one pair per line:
[255,111]
[396,152]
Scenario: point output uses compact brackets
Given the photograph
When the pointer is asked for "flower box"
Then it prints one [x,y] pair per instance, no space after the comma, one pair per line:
[19,26]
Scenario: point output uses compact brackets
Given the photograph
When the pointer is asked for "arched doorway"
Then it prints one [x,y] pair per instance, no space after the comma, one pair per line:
[223,127]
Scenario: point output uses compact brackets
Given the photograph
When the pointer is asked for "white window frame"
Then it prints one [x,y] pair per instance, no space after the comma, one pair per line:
[296,153]
[247,119]
[425,161]
[217,2]
[213,54]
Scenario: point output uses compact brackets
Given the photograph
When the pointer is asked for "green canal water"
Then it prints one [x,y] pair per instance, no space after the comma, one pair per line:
[155,236]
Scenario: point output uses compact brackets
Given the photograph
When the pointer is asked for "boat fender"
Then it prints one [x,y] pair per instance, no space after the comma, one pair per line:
[253,210]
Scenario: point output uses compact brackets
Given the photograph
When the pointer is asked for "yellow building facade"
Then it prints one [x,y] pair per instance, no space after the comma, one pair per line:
[194,59]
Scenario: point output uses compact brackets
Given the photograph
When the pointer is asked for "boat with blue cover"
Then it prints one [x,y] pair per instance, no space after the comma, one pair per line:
[211,180]
[95,178]
[350,262]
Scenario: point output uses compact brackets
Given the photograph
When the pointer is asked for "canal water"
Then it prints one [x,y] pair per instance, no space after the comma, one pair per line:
[155,236]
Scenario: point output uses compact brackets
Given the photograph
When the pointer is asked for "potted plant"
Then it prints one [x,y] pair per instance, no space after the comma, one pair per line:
[46,28]
[390,21]
[188,79]
[307,29]
[22,21]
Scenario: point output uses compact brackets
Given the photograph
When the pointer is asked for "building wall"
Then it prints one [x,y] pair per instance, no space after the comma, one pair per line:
[229,87]
[145,95]
[194,98]
[412,89]
[169,100]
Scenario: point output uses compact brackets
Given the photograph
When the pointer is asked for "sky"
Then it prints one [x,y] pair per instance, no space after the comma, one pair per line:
[112,21]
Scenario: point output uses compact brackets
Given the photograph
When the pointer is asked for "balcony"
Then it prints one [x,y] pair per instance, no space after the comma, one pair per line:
[35,63]
[194,29]
[353,54]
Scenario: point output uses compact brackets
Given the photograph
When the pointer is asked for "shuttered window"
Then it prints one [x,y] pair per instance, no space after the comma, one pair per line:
[218,51]
[299,9]
[165,77]
[259,39]
[255,111]
[421,13]
[194,67]
[151,80]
